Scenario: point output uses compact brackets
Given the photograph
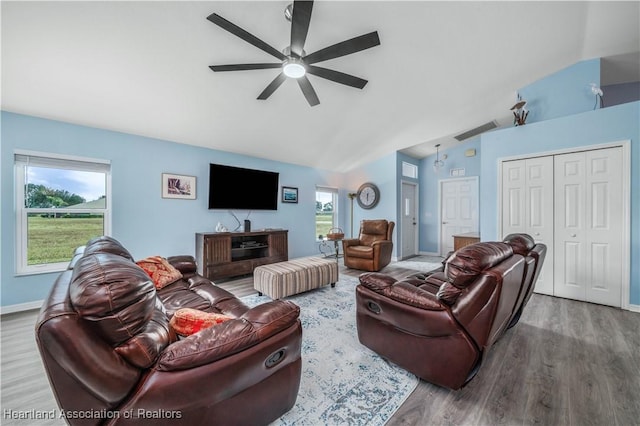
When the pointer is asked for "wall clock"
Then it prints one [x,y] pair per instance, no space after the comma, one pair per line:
[368,195]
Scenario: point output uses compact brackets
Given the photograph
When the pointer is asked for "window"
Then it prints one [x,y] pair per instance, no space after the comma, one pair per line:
[326,210]
[61,203]
[409,170]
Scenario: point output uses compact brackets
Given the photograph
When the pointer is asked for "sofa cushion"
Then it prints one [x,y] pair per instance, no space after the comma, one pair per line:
[113,293]
[465,264]
[160,270]
[189,321]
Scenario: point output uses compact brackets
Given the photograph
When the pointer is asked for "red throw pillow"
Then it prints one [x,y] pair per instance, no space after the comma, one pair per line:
[160,270]
[187,321]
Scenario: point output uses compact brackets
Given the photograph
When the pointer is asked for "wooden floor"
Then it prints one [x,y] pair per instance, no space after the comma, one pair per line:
[565,363]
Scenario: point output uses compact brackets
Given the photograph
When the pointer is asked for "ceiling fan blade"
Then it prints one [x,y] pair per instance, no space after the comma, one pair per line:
[346,47]
[300,25]
[308,91]
[337,76]
[243,67]
[245,35]
[268,91]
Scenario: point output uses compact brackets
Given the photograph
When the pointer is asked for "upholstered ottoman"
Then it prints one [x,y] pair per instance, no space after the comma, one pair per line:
[294,276]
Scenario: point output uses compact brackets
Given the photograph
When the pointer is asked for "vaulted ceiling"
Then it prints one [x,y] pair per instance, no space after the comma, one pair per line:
[442,68]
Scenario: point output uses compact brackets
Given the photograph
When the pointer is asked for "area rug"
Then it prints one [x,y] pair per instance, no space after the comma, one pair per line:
[343,382]
[418,263]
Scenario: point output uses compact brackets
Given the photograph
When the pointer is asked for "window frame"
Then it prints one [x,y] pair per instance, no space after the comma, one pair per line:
[335,194]
[24,159]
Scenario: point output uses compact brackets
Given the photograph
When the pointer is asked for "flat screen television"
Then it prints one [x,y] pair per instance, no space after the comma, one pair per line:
[237,188]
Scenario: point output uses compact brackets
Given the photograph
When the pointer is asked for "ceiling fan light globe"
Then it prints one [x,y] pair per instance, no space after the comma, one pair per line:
[293,69]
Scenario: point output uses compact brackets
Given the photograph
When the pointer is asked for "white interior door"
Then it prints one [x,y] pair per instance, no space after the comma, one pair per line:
[458,210]
[589,223]
[409,223]
[527,206]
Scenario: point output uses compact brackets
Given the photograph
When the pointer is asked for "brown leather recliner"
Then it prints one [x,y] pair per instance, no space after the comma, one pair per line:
[442,331]
[372,250]
[112,358]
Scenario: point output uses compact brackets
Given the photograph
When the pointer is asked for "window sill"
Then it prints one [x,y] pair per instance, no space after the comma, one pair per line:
[44,269]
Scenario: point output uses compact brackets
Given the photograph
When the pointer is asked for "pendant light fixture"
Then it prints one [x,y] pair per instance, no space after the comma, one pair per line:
[438,164]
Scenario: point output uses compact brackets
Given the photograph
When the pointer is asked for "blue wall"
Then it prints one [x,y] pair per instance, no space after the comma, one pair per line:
[383,173]
[142,220]
[563,93]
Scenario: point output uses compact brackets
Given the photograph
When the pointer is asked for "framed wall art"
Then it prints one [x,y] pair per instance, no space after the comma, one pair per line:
[289,194]
[178,186]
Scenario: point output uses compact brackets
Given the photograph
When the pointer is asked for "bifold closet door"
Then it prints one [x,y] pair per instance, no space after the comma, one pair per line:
[527,206]
[588,226]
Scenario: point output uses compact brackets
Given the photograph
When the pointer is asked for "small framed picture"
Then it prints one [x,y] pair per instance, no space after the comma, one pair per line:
[289,194]
[178,186]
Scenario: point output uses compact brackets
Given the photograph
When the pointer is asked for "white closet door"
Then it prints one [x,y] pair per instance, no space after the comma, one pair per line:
[588,220]
[539,218]
[527,206]
[514,185]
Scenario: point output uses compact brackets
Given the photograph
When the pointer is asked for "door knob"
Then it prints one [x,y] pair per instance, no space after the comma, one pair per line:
[573,235]
[537,233]
[444,223]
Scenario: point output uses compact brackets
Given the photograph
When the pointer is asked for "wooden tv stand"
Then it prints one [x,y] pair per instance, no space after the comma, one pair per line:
[229,254]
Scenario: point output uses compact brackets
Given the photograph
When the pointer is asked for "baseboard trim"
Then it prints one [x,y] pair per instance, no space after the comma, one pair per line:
[634,308]
[429,253]
[10,309]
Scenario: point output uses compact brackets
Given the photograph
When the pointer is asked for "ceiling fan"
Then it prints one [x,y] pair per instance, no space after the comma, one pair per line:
[294,62]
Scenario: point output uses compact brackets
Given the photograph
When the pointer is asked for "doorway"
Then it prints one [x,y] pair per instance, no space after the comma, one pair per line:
[409,220]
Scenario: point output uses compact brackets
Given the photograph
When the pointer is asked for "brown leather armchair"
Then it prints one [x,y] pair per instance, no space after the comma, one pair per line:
[371,251]
[112,357]
[441,331]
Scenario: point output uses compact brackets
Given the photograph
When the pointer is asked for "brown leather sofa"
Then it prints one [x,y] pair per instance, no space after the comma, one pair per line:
[372,250]
[522,244]
[441,330]
[534,255]
[112,358]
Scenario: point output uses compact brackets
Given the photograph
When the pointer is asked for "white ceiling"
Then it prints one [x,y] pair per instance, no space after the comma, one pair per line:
[442,68]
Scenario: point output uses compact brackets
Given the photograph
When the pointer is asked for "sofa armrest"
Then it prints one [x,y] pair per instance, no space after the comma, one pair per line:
[385,247]
[230,337]
[350,242]
[185,264]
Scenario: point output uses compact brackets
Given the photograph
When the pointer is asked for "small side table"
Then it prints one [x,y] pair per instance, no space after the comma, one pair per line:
[462,240]
[336,237]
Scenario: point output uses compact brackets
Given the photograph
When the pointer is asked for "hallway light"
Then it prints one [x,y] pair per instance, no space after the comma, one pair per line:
[438,164]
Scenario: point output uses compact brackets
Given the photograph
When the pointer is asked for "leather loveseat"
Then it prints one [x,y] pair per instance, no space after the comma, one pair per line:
[112,357]
[440,328]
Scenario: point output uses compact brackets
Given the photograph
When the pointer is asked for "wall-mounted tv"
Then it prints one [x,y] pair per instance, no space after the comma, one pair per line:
[237,188]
